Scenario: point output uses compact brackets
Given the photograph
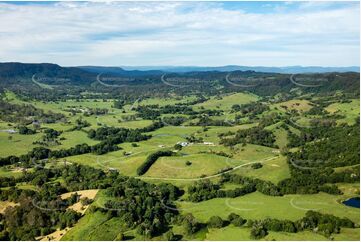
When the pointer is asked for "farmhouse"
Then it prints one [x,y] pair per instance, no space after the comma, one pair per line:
[182,143]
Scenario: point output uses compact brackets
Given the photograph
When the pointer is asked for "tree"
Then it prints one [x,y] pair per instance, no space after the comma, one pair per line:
[258,231]
[177,147]
[215,222]
[169,236]
[190,224]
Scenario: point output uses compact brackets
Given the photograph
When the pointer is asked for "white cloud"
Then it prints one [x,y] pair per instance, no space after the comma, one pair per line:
[171,33]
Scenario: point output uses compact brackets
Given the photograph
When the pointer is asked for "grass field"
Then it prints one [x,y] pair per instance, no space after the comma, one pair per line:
[206,160]
[297,105]
[94,226]
[231,233]
[280,133]
[175,167]
[258,206]
[225,102]
[274,170]
[350,110]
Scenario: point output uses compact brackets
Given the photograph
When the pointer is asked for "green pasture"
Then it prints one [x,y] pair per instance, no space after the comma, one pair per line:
[225,102]
[350,110]
[259,206]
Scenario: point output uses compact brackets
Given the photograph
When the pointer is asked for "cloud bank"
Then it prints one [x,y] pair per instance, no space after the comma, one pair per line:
[181,33]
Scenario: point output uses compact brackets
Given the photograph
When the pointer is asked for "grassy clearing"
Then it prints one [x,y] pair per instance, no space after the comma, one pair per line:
[350,110]
[93,226]
[167,101]
[225,102]
[8,171]
[275,170]
[175,167]
[259,206]
[298,105]
[280,133]
[18,144]
[78,207]
[348,235]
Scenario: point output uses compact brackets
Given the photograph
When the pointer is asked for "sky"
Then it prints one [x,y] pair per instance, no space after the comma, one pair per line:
[181,33]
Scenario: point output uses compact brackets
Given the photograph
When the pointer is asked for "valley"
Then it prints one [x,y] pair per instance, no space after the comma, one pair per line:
[217,161]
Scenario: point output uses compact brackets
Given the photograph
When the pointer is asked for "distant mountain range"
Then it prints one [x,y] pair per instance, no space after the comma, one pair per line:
[286,69]
[13,72]
[24,76]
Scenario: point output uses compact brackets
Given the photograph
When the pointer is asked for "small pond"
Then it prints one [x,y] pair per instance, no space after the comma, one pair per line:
[352,202]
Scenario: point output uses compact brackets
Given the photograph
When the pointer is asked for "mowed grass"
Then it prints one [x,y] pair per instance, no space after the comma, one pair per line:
[225,102]
[127,164]
[274,170]
[259,206]
[350,110]
[175,167]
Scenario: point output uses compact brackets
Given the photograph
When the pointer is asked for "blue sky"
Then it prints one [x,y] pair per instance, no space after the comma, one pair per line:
[181,33]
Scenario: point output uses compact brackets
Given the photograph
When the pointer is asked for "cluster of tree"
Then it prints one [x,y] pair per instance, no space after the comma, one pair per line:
[152,127]
[118,104]
[324,224]
[145,111]
[49,138]
[204,190]
[310,181]
[109,136]
[193,139]
[20,113]
[144,167]
[146,207]
[207,121]
[41,211]
[256,165]
[25,130]
[26,221]
[330,149]
[191,225]
[79,124]
[270,119]
[250,109]
[154,112]
[96,111]
[117,135]
[255,135]
[51,134]
[174,121]
[40,153]
[299,183]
